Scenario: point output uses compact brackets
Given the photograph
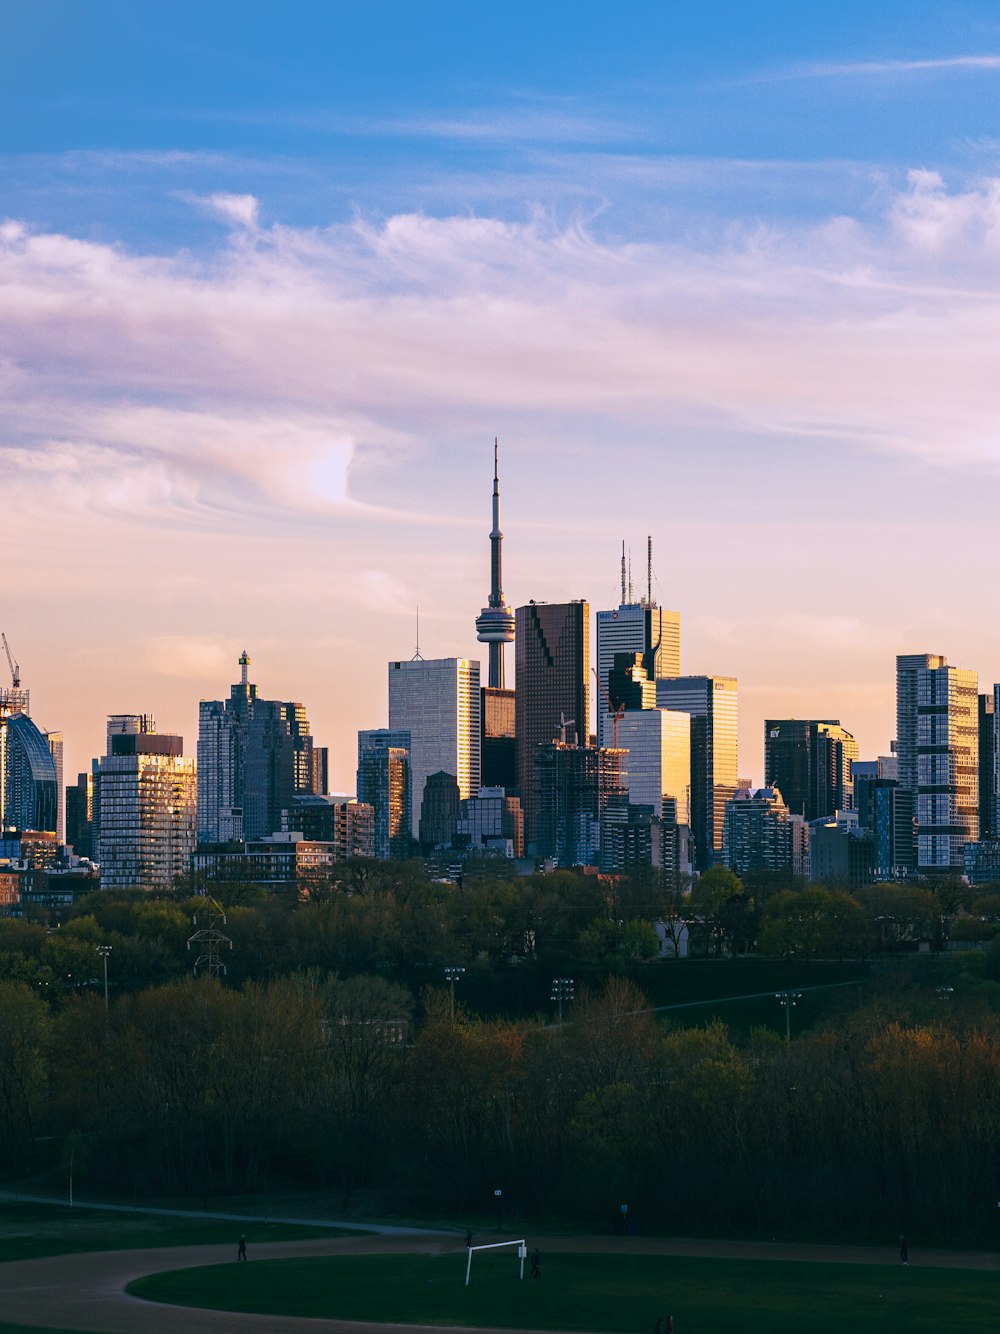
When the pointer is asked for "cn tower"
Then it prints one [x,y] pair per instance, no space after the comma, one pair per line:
[495,623]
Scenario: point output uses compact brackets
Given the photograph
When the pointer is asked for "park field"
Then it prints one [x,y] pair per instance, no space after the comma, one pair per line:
[620,1294]
[28,1231]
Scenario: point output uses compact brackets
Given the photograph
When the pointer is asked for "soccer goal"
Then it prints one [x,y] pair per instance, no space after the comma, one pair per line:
[522,1251]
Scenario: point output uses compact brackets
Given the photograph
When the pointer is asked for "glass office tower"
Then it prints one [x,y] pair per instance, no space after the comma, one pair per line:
[552,702]
[438,701]
[712,704]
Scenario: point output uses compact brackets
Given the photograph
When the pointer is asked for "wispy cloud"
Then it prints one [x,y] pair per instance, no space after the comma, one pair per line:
[878,68]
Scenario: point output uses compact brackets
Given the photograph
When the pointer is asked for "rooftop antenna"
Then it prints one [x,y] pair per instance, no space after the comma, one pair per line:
[418,656]
[623,572]
[630,590]
[649,570]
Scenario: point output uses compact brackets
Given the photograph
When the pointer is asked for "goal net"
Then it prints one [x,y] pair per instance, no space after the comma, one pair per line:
[522,1251]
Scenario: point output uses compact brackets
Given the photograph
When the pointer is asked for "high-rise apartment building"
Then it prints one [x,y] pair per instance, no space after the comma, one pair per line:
[635,627]
[712,704]
[937,744]
[908,667]
[947,796]
[145,805]
[552,653]
[29,779]
[437,700]
[384,783]
[254,757]
[810,761]
[80,816]
[757,832]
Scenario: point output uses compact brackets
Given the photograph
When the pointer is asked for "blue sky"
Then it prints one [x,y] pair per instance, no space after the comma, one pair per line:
[271,279]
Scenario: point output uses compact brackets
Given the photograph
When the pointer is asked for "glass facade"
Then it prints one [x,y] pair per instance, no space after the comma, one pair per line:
[29,779]
[384,783]
[635,627]
[254,757]
[810,761]
[712,704]
[438,701]
[145,803]
[552,701]
[577,787]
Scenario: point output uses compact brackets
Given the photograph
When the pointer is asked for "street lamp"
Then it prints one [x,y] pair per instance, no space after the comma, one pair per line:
[452,975]
[788,999]
[104,951]
[562,990]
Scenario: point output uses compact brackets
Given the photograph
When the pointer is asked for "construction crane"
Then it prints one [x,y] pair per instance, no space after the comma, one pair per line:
[15,668]
[616,714]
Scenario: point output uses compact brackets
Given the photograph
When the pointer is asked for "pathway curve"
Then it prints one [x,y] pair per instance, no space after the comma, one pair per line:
[87,1292]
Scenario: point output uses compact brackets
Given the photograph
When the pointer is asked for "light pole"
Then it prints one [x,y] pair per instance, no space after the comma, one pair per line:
[562,990]
[452,975]
[104,951]
[788,999]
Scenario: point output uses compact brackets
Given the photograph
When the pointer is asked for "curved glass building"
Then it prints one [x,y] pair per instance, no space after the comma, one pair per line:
[29,784]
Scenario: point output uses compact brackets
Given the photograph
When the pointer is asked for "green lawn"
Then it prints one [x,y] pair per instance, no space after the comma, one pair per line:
[597,1292]
[31,1230]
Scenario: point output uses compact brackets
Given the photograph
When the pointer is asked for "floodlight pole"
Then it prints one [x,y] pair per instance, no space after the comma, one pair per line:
[104,951]
[788,999]
[562,990]
[452,975]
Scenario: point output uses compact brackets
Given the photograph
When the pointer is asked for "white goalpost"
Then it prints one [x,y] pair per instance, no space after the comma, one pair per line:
[522,1251]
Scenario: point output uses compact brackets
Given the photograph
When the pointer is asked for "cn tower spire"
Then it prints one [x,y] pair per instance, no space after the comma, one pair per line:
[495,623]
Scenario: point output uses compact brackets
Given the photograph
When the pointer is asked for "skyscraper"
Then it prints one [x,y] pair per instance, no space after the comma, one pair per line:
[29,781]
[810,761]
[552,652]
[437,700]
[908,665]
[145,805]
[947,799]
[384,783]
[937,722]
[987,765]
[635,627]
[712,703]
[254,757]
[577,788]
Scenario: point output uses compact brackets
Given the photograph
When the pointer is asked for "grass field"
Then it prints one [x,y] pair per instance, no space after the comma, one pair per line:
[31,1230]
[612,1294]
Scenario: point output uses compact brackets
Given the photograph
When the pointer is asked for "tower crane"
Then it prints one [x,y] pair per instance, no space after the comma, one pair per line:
[616,714]
[15,668]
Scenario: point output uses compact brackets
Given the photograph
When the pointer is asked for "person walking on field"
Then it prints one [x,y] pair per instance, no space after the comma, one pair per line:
[668,1328]
[241,1254]
[536,1264]
[904,1250]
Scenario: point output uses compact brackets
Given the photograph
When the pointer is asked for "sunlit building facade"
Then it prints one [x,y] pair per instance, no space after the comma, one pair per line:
[438,701]
[712,704]
[810,760]
[145,804]
[635,627]
[947,796]
[384,783]
[29,778]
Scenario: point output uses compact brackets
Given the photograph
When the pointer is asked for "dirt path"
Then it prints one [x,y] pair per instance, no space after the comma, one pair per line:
[86,1292]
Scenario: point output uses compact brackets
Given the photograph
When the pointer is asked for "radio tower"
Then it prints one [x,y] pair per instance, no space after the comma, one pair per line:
[495,623]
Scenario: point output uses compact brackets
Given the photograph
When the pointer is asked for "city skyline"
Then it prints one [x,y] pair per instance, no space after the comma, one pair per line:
[266,300]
